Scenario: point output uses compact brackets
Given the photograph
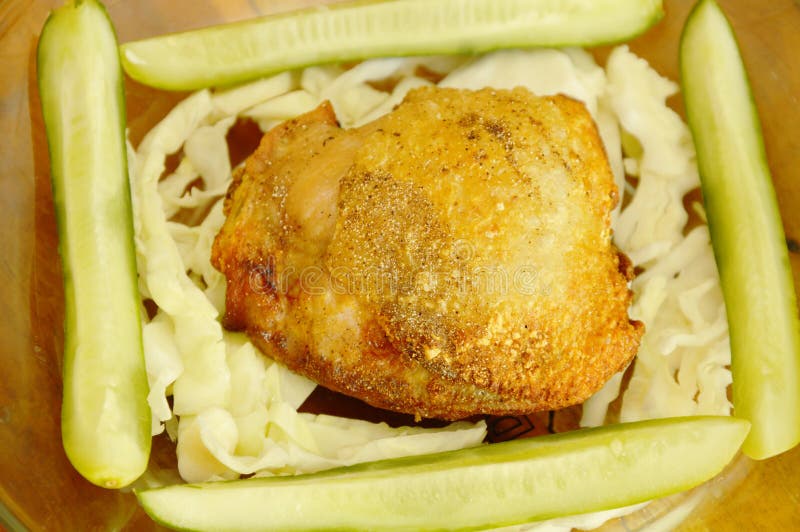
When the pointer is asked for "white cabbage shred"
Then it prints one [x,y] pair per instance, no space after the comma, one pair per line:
[682,367]
[235,412]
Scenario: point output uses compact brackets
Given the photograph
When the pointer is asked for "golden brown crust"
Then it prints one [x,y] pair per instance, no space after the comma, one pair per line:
[453,257]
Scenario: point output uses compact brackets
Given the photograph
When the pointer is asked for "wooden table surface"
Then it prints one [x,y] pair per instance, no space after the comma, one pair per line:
[37,482]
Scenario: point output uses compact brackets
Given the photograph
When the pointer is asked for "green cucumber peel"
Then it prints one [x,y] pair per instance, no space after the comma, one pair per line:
[237,52]
[746,232]
[487,486]
[105,418]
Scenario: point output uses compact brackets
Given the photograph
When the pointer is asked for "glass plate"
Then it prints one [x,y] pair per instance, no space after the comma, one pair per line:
[38,487]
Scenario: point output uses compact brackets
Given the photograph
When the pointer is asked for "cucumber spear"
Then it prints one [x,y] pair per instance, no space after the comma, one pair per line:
[746,233]
[105,419]
[493,485]
[231,53]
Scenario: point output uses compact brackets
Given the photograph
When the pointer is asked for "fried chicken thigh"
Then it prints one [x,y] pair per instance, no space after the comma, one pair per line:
[451,258]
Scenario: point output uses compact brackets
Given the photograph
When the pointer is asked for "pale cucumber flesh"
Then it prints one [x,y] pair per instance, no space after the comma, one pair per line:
[105,416]
[488,486]
[227,54]
[746,231]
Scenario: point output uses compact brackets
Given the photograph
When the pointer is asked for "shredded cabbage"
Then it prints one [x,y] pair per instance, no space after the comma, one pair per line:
[235,412]
[204,381]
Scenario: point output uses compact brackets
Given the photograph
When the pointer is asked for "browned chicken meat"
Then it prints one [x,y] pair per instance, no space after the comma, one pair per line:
[451,258]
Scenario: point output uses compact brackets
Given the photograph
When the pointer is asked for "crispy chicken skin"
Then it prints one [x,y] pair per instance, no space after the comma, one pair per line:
[451,258]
